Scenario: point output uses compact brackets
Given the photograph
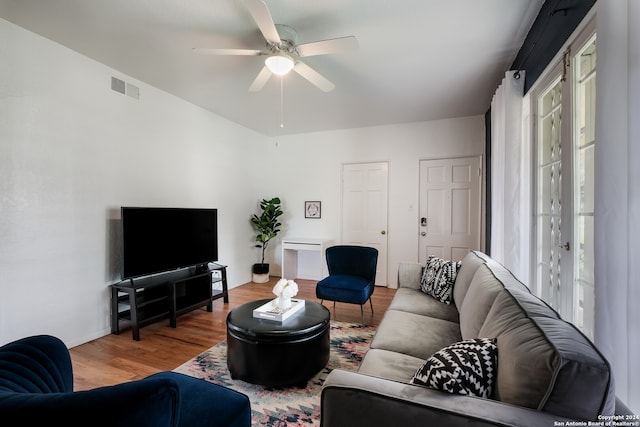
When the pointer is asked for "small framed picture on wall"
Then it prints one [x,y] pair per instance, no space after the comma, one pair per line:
[312,209]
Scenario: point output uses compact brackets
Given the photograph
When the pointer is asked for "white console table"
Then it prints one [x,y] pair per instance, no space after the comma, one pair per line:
[312,250]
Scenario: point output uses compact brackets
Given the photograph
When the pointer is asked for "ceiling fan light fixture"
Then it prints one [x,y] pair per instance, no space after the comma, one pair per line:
[279,63]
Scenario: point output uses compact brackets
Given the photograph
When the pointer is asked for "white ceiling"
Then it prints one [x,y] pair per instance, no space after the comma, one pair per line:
[417,59]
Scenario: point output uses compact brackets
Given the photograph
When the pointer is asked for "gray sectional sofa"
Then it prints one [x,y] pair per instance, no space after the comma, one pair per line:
[547,371]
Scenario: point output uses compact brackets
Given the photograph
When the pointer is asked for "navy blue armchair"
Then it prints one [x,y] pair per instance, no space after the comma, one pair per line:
[352,275]
[36,388]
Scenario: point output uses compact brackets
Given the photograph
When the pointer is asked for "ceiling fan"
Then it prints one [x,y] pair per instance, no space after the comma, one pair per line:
[282,52]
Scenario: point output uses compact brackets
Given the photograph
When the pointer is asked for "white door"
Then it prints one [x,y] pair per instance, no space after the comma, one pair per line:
[364,210]
[450,207]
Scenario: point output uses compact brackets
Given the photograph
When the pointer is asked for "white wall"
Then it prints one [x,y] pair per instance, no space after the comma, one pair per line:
[72,152]
[309,167]
[617,196]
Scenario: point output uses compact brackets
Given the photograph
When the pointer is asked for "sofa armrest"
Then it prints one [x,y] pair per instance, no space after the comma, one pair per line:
[409,275]
[353,399]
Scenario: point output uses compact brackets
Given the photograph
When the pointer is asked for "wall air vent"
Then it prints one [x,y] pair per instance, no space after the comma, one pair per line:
[125,88]
[133,91]
[118,85]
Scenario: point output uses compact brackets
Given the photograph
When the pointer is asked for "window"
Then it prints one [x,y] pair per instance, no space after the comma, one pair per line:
[584,144]
[563,103]
[549,194]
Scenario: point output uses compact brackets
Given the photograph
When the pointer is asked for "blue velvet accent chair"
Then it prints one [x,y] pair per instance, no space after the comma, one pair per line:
[352,275]
[36,388]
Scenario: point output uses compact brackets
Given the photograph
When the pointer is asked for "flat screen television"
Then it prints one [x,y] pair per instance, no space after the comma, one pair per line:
[156,240]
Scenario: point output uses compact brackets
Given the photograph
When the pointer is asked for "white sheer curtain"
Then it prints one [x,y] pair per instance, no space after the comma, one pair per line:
[510,156]
[617,201]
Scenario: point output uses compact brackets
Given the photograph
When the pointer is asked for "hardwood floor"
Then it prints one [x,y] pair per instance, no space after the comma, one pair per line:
[114,359]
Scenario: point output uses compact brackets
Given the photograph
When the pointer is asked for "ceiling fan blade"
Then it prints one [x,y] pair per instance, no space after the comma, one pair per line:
[313,76]
[260,13]
[243,52]
[323,47]
[263,77]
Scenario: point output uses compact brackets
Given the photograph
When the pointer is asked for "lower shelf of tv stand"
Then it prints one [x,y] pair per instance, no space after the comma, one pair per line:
[136,305]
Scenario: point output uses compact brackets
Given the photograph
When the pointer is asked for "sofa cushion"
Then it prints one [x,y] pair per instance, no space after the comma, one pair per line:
[417,302]
[409,275]
[544,362]
[390,365]
[413,334]
[483,290]
[466,367]
[470,264]
[438,278]
[532,305]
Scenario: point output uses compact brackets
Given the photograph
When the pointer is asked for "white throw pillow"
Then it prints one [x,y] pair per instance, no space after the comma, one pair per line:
[467,367]
[438,278]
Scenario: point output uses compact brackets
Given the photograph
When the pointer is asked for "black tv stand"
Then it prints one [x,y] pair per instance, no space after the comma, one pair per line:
[148,299]
[202,268]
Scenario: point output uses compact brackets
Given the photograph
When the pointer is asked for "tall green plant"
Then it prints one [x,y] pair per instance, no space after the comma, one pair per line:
[267,223]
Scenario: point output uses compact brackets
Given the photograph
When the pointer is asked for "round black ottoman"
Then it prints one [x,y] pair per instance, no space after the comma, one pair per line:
[272,353]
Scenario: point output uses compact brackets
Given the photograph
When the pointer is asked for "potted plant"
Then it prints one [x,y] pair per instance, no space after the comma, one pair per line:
[268,227]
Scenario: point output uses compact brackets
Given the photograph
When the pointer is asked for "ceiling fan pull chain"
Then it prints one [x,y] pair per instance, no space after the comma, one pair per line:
[282,101]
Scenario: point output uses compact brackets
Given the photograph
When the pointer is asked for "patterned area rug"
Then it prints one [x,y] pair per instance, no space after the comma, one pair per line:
[290,406]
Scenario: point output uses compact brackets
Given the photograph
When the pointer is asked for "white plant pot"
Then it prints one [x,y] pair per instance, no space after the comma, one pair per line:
[260,278]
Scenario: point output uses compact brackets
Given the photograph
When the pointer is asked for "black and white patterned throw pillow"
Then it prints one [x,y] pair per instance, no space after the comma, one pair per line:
[438,278]
[466,367]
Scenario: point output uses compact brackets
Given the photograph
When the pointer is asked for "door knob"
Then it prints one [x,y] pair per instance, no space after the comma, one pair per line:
[383,232]
[424,233]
